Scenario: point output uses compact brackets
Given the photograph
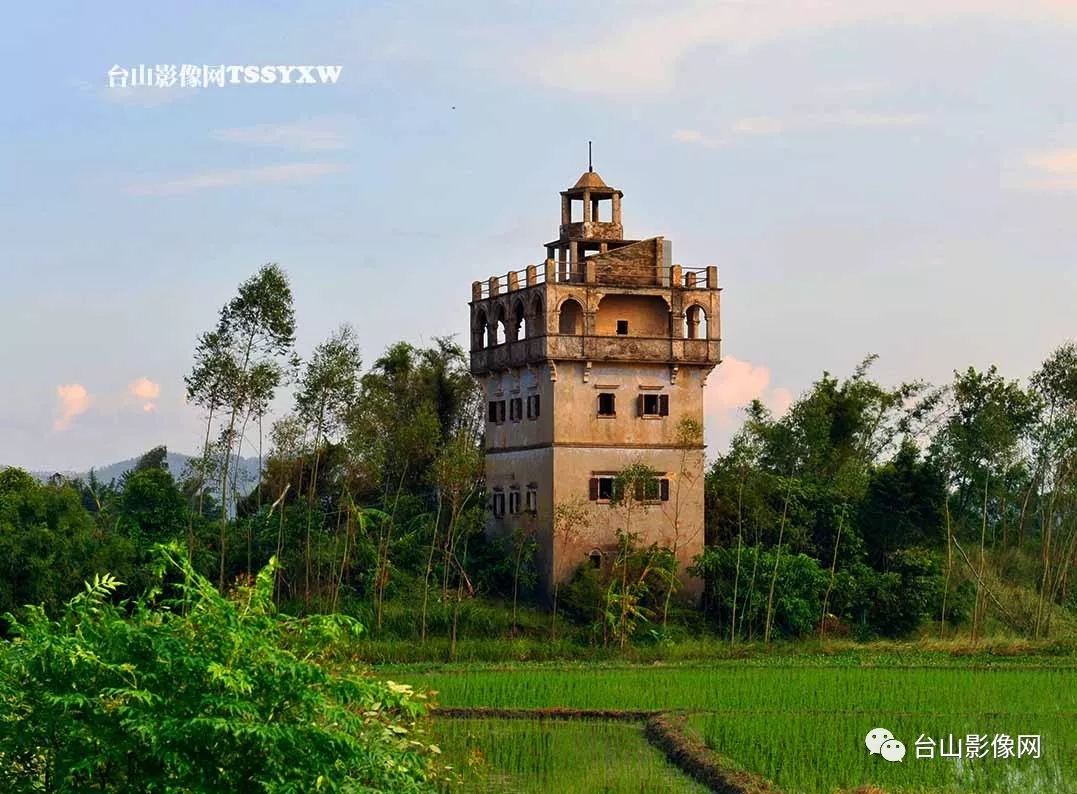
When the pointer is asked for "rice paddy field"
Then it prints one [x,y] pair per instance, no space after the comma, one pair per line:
[800,725]
[568,757]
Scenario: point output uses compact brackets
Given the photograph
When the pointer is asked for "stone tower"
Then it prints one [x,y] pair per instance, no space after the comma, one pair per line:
[590,361]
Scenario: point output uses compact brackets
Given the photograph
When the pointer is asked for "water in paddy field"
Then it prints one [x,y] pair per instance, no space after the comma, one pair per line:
[568,757]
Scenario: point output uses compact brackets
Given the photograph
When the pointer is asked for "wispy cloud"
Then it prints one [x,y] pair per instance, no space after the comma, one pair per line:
[698,138]
[656,43]
[856,118]
[304,136]
[232,177]
[139,96]
[146,392]
[74,400]
[757,126]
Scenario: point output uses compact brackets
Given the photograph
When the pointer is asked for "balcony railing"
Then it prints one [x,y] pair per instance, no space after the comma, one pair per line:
[577,273]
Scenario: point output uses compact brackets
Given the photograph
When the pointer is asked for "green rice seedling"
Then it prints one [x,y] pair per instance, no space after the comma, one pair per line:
[850,690]
[567,757]
[819,753]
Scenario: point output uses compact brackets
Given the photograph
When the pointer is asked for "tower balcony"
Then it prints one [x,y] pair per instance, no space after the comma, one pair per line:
[575,347]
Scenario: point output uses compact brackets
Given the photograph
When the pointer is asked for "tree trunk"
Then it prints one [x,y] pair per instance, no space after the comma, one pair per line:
[774,576]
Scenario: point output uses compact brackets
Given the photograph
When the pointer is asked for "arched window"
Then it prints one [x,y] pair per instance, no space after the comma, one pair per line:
[570,320]
[520,326]
[500,326]
[537,322]
[479,334]
[596,558]
[695,323]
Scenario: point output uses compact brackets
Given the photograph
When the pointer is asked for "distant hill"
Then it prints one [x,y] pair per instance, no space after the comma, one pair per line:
[177,465]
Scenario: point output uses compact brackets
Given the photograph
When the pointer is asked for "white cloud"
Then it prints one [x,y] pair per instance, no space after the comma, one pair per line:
[283,173]
[641,55]
[732,386]
[305,136]
[74,400]
[145,391]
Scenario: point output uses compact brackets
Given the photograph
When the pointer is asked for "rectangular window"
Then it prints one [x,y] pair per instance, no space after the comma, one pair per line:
[622,327]
[602,489]
[653,404]
[493,411]
[656,490]
[531,505]
[514,501]
[533,407]
[497,411]
[516,409]
[606,404]
[499,503]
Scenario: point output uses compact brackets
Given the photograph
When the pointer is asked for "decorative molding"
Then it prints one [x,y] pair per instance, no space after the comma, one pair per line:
[673,370]
[586,371]
[671,447]
[553,371]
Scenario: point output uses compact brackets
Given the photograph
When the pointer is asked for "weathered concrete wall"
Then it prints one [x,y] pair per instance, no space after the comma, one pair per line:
[677,523]
[646,315]
[520,383]
[576,418]
[633,265]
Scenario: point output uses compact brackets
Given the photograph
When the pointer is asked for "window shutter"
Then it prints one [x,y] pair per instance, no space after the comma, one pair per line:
[639,405]
[594,489]
[536,406]
[663,405]
[663,485]
[639,491]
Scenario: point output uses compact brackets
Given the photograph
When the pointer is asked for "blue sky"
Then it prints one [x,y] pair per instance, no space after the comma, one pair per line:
[888,176]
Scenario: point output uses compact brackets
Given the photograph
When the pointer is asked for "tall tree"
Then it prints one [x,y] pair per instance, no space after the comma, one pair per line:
[978,445]
[328,390]
[207,384]
[240,364]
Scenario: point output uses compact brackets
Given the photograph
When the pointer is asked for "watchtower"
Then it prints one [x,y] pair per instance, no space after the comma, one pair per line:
[590,361]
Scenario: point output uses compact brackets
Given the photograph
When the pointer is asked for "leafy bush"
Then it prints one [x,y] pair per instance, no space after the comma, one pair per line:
[894,603]
[798,589]
[196,693]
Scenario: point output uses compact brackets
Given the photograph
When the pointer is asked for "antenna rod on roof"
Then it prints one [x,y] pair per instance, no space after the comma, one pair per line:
[589,167]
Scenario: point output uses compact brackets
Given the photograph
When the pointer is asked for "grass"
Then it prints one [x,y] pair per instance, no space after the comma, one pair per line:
[541,756]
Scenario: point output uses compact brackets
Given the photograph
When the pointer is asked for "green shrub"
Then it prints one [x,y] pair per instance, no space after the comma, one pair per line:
[197,693]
